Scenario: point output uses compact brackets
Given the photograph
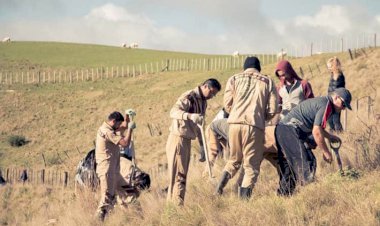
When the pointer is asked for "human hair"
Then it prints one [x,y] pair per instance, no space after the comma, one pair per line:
[212,82]
[117,116]
[334,64]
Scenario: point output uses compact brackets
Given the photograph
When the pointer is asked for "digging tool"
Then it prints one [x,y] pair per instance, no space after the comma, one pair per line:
[131,113]
[335,146]
[202,129]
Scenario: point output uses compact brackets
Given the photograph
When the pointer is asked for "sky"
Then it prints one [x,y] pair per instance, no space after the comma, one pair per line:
[201,26]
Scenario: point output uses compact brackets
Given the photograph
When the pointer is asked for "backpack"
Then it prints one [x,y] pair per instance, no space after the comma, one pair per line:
[86,171]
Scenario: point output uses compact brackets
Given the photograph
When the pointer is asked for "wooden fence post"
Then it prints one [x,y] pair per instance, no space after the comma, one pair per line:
[43,157]
[311,71]
[349,51]
[345,120]
[319,70]
[43,176]
[66,179]
[374,41]
[369,106]
[301,71]
[311,49]
[7,176]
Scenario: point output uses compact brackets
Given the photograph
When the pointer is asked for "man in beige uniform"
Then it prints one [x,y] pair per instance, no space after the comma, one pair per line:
[250,98]
[186,113]
[107,154]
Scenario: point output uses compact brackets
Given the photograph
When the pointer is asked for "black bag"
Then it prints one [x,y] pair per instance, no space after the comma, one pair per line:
[86,171]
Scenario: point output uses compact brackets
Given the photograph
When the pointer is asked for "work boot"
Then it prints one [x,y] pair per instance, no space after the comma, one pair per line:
[245,193]
[223,182]
[202,158]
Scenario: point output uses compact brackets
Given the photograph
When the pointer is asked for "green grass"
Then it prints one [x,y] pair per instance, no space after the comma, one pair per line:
[28,55]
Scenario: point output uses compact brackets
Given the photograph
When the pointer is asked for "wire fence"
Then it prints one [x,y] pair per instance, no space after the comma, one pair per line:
[41,76]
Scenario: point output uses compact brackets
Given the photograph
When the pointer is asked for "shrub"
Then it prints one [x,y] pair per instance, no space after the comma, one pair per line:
[17,141]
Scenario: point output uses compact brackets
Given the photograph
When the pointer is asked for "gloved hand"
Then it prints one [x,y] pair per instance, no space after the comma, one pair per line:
[196,118]
[131,125]
[130,112]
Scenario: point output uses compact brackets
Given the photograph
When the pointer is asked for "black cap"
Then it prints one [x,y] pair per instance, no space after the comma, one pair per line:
[252,62]
[345,95]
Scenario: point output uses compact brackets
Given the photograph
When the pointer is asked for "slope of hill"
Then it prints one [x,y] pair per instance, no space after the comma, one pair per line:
[58,118]
[35,55]
[64,117]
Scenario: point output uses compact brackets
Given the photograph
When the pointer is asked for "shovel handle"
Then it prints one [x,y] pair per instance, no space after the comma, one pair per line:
[201,128]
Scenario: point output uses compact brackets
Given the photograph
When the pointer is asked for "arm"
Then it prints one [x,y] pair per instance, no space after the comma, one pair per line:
[180,108]
[279,98]
[272,102]
[319,135]
[307,90]
[228,95]
[125,141]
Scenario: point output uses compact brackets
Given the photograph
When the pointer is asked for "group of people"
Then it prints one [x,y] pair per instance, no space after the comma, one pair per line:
[240,132]
[259,120]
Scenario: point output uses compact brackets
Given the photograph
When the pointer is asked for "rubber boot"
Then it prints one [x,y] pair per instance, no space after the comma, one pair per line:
[223,182]
[245,193]
[202,158]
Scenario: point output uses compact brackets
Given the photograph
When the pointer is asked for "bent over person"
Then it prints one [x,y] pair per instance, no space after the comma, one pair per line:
[186,114]
[107,154]
[308,118]
[250,99]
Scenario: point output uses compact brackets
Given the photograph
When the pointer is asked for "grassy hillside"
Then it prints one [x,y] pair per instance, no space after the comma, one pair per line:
[63,117]
[34,55]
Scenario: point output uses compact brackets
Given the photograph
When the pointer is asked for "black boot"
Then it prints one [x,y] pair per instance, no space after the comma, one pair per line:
[223,182]
[202,158]
[245,193]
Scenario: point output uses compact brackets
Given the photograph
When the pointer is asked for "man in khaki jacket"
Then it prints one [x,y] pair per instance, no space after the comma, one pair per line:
[107,154]
[187,112]
[250,99]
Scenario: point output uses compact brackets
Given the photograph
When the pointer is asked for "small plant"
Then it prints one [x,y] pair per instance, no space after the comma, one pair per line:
[17,141]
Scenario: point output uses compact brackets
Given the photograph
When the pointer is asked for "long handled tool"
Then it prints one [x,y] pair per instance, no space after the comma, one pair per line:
[131,113]
[202,129]
[335,146]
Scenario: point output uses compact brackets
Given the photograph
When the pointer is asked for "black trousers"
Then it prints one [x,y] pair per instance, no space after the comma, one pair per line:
[297,163]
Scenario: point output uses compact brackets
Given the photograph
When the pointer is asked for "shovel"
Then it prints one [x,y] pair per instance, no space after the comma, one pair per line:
[335,146]
[131,113]
[202,129]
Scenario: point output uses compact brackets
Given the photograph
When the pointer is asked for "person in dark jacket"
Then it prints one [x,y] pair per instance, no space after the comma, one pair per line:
[336,81]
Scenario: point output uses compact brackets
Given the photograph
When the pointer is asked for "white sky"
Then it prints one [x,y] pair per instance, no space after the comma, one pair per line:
[204,26]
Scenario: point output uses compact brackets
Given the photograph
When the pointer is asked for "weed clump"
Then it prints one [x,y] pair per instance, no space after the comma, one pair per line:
[17,141]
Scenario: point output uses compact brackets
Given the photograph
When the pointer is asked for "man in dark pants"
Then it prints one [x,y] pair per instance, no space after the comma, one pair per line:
[308,118]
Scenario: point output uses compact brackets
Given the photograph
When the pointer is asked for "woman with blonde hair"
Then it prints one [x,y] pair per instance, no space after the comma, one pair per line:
[337,80]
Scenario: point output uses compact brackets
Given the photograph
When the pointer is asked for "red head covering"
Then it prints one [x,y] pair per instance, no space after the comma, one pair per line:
[286,67]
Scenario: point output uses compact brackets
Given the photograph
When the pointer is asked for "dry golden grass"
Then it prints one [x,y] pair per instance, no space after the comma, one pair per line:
[64,117]
[332,200]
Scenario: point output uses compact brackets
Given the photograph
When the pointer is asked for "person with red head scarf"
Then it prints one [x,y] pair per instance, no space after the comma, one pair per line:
[291,90]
